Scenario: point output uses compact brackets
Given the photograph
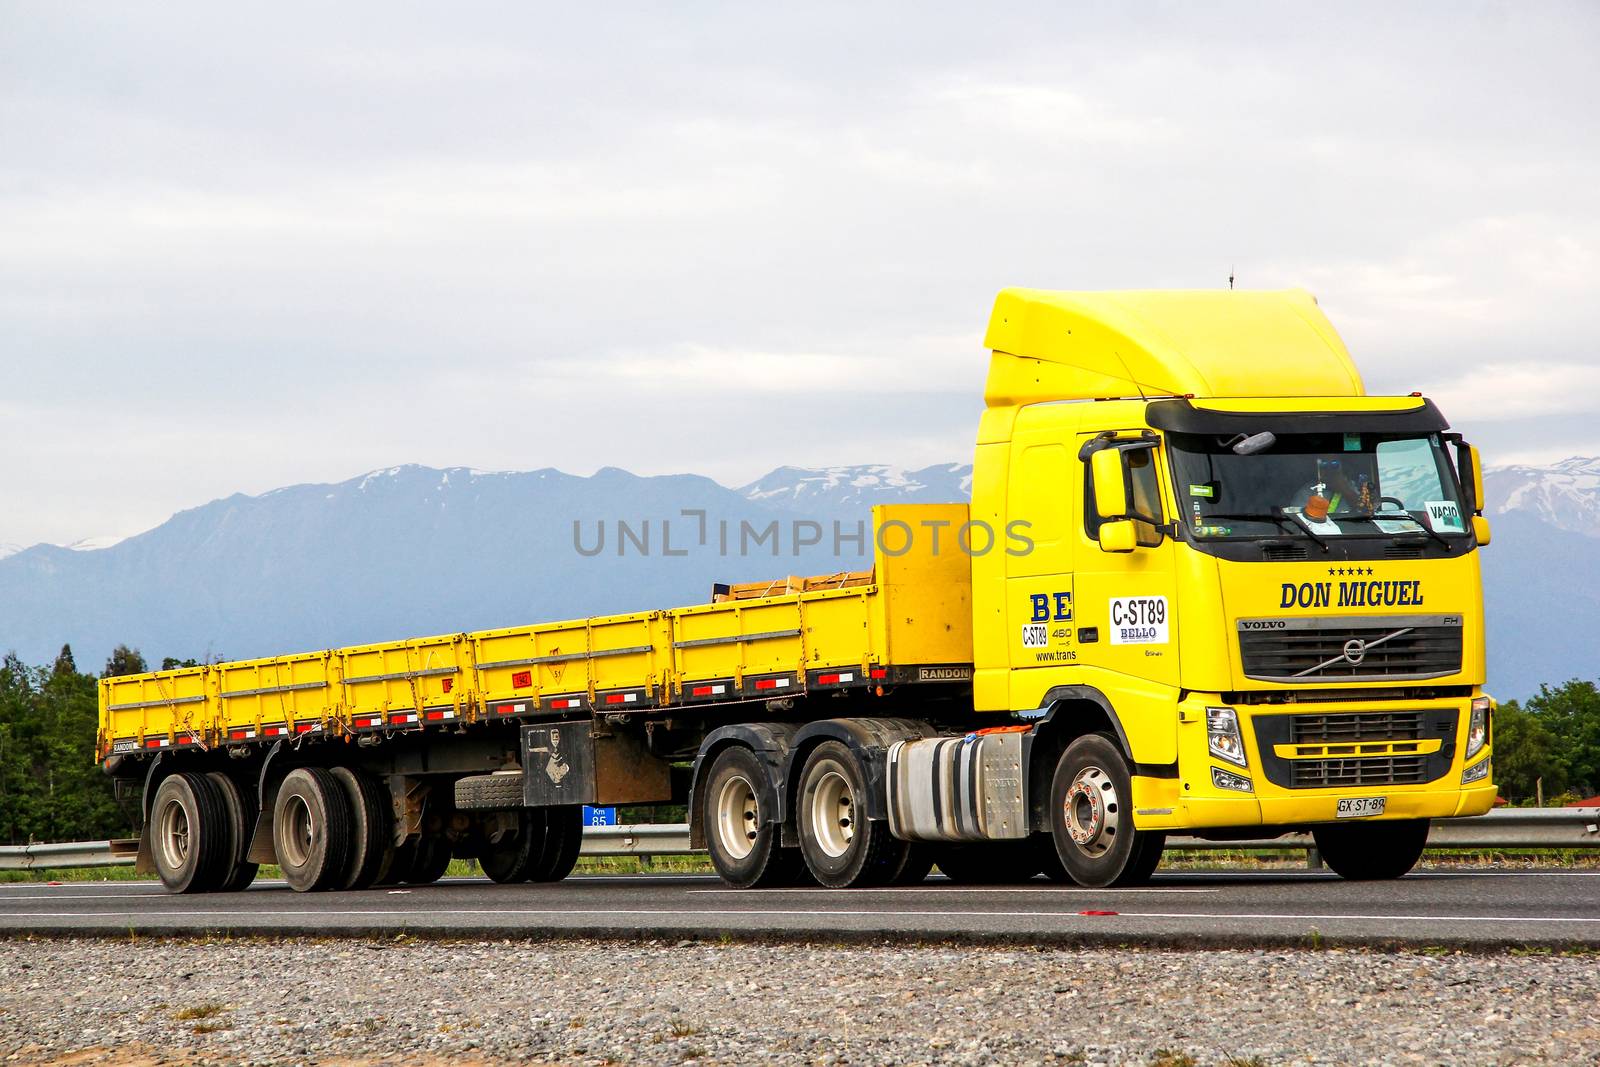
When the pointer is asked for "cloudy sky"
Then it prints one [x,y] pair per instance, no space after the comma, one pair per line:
[247,247]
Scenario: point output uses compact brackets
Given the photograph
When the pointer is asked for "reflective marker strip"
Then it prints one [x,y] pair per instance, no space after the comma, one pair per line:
[274,731]
[566,702]
[621,698]
[440,716]
[403,717]
[186,739]
[156,742]
[772,683]
[240,735]
[306,727]
[834,679]
[708,690]
[511,709]
[366,722]
[880,672]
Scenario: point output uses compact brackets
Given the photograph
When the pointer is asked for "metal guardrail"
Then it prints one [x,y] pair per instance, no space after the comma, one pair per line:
[1508,828]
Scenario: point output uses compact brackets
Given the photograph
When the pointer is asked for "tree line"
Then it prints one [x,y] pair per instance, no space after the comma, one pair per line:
[51,789]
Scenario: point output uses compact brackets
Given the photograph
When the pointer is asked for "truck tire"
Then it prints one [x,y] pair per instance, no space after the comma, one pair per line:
[563,838]
[430,858]
[372,829]
[1091,817]
[312,828]
[988,862]
[842,847]
[511,858]
[1044,848]
[1372,852]
[745,846]
[241,808]
[489,792]
[191,836]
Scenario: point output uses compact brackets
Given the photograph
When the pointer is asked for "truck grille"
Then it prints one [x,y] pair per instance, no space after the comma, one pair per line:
[1371,726]
[1351,649]
[1378,770]
[1335,742]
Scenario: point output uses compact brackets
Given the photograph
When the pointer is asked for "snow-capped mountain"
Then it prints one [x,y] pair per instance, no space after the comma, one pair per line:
[8,549]
[832,488]
[1565,495]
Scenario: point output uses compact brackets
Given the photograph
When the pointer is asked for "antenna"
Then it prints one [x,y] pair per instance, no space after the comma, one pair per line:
[1230,278]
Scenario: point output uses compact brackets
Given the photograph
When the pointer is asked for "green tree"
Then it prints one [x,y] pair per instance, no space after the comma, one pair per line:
[51,789]
[124,660]
[1525,750]
[64,662]
[169,663]
[1571,712]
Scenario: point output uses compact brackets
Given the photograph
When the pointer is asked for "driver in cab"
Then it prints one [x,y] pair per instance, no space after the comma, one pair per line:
[1334,492]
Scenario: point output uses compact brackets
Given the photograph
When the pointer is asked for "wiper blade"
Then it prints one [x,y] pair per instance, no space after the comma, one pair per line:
[1422,527]
[1283,522]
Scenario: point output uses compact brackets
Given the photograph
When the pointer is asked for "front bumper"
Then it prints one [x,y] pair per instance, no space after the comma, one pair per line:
[1193,801]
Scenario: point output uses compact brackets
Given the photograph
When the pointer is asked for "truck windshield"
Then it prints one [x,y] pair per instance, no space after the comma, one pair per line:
[1317,485]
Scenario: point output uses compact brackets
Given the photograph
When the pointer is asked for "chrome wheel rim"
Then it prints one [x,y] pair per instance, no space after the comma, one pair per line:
[738,817]
[298,830]
[173,834]
[1092,811]
[833,814]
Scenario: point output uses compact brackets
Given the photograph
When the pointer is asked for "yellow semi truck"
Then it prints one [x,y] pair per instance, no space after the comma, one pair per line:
[1204,584]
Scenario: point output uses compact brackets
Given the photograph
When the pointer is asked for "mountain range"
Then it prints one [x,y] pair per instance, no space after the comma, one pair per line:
[412,550]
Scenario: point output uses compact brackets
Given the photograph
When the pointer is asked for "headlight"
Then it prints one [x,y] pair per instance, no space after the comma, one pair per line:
[1478,726]
[1222,734]
[1475,773]
[1228,780]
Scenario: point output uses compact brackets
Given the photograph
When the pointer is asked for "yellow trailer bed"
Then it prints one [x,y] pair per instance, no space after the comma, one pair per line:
[911,623]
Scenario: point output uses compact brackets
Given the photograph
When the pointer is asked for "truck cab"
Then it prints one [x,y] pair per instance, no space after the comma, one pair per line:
[1263,581]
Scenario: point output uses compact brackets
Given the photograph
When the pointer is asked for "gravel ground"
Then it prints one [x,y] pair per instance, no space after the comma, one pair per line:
[406,1001]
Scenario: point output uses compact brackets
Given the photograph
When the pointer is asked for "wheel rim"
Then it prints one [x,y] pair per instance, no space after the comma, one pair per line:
[1092,811]
[298,829]
[833,814]
[738,817]
[174,834]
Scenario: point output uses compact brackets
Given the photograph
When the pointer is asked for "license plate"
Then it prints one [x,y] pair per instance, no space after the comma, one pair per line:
[1360,807]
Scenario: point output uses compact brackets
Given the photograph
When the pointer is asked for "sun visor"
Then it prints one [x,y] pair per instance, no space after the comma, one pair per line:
[1181,416]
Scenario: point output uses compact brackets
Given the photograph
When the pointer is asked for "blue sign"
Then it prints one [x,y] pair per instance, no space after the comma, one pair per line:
[599,816]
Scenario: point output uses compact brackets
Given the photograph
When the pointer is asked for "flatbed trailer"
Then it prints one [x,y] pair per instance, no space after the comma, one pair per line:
[1112,641]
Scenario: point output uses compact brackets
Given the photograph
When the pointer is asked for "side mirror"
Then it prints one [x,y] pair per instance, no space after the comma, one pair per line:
[1119,536]
[1480,530]
[1477,481]
[1110,486]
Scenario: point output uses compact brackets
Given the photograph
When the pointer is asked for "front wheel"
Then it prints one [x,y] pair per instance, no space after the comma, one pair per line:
[1372,852]
[1091,817]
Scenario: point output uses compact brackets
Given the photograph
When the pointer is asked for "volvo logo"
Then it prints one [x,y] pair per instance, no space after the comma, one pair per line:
[1355,650]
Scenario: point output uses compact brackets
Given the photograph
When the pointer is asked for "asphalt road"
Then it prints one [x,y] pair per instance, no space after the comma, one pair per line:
[1457,908]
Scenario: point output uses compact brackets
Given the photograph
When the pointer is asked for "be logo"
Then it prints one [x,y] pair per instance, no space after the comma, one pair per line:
[1044,604]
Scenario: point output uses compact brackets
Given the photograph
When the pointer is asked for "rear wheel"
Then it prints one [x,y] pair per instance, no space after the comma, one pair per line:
[745,844]
[241,808]
[1372,852]
[1091,802]
[312,828]
[191,837]
[429,858]
[563,837]
[510,851]
[372,837]
[842,847]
